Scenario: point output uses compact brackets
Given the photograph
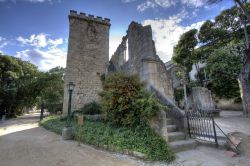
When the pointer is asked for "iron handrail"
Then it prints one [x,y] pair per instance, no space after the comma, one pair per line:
[237,150]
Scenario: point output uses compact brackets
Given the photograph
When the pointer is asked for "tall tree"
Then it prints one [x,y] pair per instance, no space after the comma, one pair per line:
[184,52]
[16,80]
[224,65]
[51,86]
[243,77]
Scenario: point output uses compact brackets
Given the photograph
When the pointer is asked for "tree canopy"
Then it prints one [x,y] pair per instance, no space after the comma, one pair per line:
[212,44]
[22,85]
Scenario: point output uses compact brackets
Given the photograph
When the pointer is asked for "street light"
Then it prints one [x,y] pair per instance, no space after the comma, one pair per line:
[67,132]
[71,87]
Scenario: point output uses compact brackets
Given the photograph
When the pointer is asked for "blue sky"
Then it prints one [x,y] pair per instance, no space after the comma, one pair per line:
[37,30]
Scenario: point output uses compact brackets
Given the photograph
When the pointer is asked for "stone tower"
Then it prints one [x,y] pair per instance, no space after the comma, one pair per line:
[87,58]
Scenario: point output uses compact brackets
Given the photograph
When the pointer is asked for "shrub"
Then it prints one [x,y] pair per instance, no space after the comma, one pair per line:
[91,108]
[126,102]
[119,139]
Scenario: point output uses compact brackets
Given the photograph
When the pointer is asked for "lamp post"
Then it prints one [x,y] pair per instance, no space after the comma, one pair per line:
[42,109]
[71,87]
[67,130]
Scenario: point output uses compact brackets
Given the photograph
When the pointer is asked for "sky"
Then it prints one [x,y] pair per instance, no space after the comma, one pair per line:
[37,30]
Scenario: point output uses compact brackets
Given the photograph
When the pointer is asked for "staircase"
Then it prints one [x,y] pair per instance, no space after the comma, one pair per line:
[177,140]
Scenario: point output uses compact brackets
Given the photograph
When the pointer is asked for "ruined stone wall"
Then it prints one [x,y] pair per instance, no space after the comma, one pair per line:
[87,59]
[119,57]
[142,59]
[202,99]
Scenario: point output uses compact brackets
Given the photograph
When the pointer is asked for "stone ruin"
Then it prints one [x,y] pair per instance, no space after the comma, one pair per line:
[137,55]
[88,59]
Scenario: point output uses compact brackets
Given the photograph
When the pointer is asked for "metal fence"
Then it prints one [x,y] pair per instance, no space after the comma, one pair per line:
[201,125]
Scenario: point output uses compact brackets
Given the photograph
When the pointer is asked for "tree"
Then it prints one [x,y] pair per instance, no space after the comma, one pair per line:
[22,85]
[50,86]
[184,50]
[223,66]
[16,80]
[243,77]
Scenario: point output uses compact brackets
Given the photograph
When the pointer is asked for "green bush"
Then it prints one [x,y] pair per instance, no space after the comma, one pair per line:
[119,139]
[91,108]
[126,102]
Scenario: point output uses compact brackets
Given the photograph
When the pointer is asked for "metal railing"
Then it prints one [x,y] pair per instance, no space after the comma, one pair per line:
[201,125]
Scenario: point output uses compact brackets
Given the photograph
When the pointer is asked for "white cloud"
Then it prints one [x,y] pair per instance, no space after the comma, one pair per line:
[114,43]
[45,60]
[194,3]
[155,3]
[128,1]
[40,41]
[3,42]
[37,0]
[146,4]
[43,51]
[56,42]
[166,33]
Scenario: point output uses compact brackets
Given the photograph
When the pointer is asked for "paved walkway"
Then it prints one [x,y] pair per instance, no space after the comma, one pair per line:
[232,121]
[24,143]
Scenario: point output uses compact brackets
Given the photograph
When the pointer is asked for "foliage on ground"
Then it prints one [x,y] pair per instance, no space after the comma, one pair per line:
[120,139]
[91,108]
[53,123]
[126,102]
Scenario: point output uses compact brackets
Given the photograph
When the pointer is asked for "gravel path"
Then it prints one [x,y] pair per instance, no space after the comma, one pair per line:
[233,121]
[24,143]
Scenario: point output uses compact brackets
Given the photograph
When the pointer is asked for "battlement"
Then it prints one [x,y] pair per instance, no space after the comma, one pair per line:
[84,16]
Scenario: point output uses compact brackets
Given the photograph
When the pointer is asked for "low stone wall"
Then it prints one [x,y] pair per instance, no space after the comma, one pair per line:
[159,124]
[228,104]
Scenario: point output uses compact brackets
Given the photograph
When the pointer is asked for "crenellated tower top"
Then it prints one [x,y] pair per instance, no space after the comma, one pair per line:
[84,16]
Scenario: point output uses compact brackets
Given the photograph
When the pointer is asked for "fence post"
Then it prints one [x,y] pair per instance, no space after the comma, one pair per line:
[215,135]
[188,125]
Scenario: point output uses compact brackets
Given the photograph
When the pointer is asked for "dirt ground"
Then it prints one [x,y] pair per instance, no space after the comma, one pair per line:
[24,143]
[231,121]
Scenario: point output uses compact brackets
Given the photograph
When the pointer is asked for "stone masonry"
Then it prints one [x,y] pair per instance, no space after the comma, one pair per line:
[87,59]
[142,59]
[137,55]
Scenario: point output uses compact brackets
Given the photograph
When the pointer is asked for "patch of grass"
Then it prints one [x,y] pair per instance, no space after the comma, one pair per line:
[123,139]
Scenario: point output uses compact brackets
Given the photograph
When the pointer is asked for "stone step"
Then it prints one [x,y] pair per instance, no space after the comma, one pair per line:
[176,136]
[171,128]
[169,121]
[179,146]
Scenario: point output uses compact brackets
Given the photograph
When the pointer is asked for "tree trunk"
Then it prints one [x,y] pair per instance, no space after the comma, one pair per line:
[244,84]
